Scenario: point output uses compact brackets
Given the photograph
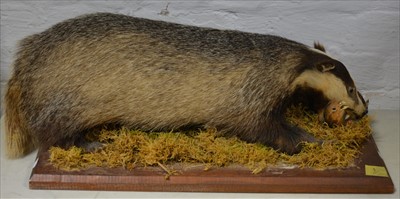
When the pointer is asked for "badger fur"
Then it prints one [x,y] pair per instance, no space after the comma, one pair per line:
[104,68]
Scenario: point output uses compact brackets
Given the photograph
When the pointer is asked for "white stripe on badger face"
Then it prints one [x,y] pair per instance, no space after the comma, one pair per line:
[332,87]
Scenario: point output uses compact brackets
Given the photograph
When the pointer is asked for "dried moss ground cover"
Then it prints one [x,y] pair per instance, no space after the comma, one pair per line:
[130,149]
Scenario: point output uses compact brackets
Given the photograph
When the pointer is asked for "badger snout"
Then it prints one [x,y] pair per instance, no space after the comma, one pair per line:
[356,114]
[362,114]
[364,106]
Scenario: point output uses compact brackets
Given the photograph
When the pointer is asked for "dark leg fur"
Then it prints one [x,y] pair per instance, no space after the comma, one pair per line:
[81,140]
[88,145]
[87,139]
[289,139]
[279,135]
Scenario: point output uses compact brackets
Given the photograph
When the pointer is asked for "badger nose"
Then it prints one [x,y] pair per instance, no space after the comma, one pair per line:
[363,114]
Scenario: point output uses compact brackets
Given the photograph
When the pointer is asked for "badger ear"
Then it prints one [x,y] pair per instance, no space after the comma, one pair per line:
[325,66]
[319,46]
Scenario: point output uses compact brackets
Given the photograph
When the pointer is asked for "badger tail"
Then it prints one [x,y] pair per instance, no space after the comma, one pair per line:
[19,142]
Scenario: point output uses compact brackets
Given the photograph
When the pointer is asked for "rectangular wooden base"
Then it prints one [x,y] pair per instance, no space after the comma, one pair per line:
[230,179]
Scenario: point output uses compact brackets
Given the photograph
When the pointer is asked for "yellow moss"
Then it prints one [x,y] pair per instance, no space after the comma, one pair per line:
[70,159]
[129,148]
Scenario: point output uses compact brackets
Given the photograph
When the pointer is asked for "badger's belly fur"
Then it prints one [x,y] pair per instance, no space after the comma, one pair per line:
[113,69]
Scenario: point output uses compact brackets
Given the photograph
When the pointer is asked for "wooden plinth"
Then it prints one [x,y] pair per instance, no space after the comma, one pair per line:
[231,179]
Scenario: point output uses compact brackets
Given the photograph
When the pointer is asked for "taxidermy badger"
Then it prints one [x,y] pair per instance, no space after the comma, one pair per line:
[103,68]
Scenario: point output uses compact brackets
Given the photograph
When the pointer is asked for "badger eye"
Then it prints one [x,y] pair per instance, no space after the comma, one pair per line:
[351,90]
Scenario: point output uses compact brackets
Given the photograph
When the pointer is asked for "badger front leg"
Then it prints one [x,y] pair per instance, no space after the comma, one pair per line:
[290,139]
[280,135]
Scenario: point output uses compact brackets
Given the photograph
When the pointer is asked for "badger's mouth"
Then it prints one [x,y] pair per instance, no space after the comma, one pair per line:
[348,113]
[351,114]
[339,113]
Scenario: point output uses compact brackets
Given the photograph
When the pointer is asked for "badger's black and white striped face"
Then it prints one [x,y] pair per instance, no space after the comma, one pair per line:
[331,78]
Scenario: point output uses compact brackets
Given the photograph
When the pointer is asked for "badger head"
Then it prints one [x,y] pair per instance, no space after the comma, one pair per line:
[330,78]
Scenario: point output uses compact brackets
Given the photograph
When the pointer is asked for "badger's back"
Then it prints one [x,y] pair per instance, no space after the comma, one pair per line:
[107,68]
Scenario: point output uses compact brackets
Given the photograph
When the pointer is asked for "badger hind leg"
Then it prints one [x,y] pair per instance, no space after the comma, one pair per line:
[80,135]
[80,140]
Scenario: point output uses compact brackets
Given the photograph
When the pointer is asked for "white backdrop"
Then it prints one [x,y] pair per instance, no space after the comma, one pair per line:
[364,35]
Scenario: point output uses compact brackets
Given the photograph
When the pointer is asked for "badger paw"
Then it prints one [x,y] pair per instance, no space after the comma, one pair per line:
[92,147]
